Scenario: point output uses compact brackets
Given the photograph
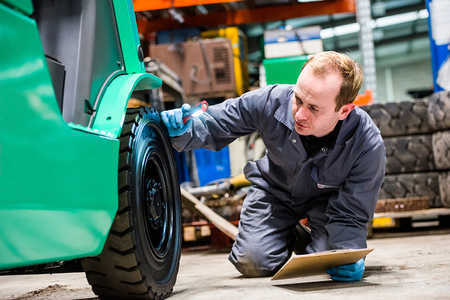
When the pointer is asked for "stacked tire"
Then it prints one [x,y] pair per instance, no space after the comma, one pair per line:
[416,135]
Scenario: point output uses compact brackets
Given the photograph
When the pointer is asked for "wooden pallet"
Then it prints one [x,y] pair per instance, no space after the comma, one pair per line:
[402,204]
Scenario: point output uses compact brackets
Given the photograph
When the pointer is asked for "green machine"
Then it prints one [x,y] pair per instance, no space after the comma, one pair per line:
[284,69]
[81,176]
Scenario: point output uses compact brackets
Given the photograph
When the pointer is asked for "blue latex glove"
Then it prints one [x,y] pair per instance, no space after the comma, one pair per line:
[173,119]
[351,272]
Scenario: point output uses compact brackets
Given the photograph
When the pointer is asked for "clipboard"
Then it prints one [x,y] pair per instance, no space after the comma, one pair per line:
[317,263]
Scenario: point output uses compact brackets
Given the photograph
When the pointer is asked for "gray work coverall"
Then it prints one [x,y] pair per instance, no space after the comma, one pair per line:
[336,189]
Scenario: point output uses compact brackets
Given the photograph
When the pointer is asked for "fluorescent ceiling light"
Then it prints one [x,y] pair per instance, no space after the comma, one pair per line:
[339,30]
[397,19]
[423,14]
[378,23]
[346,29]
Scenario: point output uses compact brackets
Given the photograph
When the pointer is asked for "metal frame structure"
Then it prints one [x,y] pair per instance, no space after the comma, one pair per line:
[250,14]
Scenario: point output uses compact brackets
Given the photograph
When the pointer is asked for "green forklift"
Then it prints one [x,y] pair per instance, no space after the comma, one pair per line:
[83,177]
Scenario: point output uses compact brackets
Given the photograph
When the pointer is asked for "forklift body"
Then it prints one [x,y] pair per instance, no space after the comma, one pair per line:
[68,69]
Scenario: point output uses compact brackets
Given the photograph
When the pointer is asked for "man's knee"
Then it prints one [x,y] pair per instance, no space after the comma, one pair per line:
[254,263]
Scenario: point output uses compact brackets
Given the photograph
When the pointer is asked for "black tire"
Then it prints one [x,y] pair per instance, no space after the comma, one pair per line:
[439,110]
[141,256]
[444,188]
[412,185]
[402,118]
[441,149]
[409,154]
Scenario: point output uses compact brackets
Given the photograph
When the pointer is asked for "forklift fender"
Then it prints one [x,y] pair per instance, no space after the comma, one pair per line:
[110,115]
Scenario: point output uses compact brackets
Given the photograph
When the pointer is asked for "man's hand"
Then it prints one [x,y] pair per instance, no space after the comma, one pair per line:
[173,119]
[351,272]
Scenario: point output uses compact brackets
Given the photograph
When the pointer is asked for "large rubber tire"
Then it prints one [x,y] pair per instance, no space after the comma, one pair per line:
[141,256]
[441,149]
[409,154]
[444,188]
[412,185]
[400,118]
[439,110]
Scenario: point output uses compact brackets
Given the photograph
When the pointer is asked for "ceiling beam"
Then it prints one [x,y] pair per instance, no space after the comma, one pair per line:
[143,5]
[257,15]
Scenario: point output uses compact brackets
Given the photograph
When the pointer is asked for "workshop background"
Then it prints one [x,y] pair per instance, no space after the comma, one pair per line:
[216,49]
[90,203]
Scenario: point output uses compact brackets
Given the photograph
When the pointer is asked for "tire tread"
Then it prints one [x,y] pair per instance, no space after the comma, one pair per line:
[400,118]
[409,154]
[105,272]
[412,185]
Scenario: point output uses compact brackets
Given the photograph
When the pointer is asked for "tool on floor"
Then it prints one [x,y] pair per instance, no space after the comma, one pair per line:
[196,111]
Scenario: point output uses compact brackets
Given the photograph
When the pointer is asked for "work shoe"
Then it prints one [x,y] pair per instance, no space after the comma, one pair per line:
[301,237]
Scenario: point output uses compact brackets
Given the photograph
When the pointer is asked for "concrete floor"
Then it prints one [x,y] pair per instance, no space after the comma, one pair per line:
[403,268]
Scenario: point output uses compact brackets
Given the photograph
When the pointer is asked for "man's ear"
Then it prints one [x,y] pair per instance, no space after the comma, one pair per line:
[345,110]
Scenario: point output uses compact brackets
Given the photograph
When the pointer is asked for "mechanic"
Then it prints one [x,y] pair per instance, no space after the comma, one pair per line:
[325,161]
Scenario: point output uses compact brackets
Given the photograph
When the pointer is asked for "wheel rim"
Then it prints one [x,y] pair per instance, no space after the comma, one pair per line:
[157,208]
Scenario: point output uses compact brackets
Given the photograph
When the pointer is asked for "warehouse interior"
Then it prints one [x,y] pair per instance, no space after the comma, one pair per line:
[398,66]
[126,216]
[399,28]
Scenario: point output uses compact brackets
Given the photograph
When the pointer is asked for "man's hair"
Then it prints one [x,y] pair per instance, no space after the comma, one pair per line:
[325,62]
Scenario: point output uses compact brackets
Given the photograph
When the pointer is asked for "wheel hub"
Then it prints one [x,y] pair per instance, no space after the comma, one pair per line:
[155,205]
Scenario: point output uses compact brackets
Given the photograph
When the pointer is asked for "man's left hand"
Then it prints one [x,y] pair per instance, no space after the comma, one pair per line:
[351,272]
[173,119]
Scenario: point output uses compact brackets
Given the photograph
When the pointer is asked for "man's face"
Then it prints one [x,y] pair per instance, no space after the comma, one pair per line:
[313,103]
